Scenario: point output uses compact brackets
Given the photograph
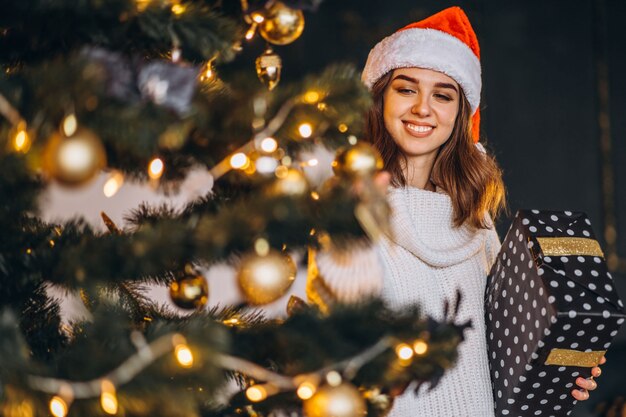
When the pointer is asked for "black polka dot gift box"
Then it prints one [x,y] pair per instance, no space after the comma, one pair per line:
[551,312]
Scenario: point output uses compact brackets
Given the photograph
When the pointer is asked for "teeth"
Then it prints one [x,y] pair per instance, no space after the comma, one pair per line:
[419,128]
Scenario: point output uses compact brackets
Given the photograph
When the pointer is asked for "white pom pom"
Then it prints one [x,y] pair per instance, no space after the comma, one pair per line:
[352,274]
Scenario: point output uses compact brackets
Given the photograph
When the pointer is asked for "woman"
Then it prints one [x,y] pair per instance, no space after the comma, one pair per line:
[426,83]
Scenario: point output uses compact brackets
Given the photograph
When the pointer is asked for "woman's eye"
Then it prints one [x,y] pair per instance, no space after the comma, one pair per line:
[405,91]
[443,97]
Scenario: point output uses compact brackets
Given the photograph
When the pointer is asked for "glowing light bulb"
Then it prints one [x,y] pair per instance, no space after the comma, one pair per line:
[208,74]
[178,9]
[261,247]
[306,390]
[343,128]
[258,17]
[404,351]
[333,378]
[113,184]
[184,356]
[108,399]
[269,145]
[315,195]
[239,160]
[312,162]
[420,347]
[58,407]
[251,31]
[155,168]
[70,124]
[256,393]
[311,97]
[305,130]
[21,140]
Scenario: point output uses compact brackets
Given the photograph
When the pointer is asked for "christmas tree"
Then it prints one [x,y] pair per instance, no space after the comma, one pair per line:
[141,90]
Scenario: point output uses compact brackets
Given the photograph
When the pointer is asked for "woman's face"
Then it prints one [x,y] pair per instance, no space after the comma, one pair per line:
[419,109]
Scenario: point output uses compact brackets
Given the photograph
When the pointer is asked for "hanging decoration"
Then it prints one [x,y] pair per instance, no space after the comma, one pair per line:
[264,279]
[268,67]
[281,24]
[74,160]
[191,291]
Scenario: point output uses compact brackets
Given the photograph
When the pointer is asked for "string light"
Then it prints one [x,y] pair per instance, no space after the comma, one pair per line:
[305,130]
[312,162]
[256,393]
[178,9]
[183,355]
[311,97]
[239,160]
[142,4]
[208,73]
[58,407]
[21,140]
[155,168]
[258,17]
[404,351]
[269,145]
[306,390]
[231,322]
[113,184]
[70,124]
[315,195]
[352,140]
[251,31]
[420,347]
[266,164]
[108,399]
[343,128]
[333,378]
[261,247]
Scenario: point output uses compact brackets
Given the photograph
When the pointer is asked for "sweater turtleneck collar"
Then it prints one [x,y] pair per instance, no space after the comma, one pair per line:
[421,223]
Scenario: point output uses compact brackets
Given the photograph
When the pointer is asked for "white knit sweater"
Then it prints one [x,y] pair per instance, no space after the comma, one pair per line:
[425,261]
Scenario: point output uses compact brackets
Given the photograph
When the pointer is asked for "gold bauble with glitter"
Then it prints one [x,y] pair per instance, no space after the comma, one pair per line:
[281,25]
[74,160]
[268,66]
[380,402]
[343,400]
[290,182]
[190,292]
[360,160]
[263,279]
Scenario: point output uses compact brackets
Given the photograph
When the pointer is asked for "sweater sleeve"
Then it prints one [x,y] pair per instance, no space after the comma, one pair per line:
[492,246]
[344,275]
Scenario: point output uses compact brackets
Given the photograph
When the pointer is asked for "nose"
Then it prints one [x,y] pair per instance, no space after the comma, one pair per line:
[421,107]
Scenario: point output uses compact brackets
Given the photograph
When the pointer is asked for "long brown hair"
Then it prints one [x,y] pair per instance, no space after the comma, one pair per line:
[472,179]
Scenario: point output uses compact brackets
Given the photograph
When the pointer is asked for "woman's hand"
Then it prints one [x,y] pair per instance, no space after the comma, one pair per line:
[587,385]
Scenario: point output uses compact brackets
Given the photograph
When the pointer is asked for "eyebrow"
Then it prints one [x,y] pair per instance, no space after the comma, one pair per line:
[415,81]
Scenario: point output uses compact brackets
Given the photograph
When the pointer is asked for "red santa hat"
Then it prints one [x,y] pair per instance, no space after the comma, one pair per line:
[443,42]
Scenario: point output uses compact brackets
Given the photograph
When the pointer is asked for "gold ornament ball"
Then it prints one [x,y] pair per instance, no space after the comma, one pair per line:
[282,25]
[264,279]
[74,160]
[360,160]
[268,66]
[343,400]
[291,183]
[190,292]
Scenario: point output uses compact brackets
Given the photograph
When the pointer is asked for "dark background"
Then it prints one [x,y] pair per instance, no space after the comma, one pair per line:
[540,103]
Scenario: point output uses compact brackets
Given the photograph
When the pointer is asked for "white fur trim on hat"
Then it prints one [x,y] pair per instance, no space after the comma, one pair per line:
[430,49]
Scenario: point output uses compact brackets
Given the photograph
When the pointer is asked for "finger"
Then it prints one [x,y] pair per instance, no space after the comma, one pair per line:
[587,384]
[382,180]
[596,372]
[580,395]
[603,360]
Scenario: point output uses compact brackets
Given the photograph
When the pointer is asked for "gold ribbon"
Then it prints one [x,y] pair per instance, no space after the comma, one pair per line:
[564,246]
[569,357]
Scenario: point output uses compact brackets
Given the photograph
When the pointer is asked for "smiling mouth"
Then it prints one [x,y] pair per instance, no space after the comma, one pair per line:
[418,129]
